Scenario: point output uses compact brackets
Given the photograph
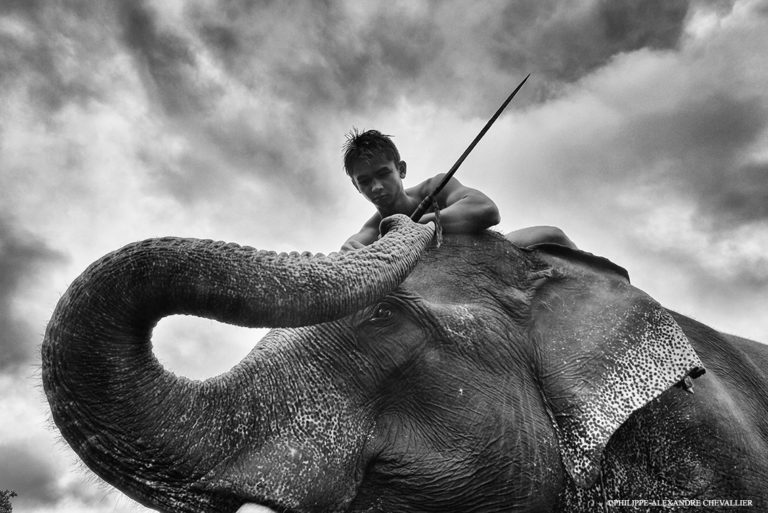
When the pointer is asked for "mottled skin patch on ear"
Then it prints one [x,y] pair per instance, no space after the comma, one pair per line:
[654,358]
[606,349]
[674,449]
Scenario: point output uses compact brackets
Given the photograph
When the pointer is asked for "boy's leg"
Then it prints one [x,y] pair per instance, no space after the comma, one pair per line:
[531,235]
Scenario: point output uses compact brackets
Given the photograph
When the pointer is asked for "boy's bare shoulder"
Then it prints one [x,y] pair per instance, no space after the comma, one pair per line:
[423,189]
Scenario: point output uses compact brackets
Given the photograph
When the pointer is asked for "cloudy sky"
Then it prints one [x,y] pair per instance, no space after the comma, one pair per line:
[642,132]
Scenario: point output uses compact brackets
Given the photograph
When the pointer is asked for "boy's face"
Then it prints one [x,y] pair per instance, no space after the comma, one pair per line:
[380,180]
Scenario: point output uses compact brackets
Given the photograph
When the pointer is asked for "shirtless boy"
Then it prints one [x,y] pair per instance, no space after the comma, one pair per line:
[373,163]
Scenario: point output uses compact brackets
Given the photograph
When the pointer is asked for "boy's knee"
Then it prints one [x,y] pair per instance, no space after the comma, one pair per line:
[555,235]
[539,235]
[551,233]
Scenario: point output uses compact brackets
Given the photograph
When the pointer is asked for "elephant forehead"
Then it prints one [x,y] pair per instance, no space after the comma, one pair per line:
[469,268]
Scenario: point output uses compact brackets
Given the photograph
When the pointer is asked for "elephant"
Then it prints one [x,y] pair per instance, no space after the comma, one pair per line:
[473,376]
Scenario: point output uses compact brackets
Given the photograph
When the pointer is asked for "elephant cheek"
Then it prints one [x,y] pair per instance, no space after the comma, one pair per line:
[311,462]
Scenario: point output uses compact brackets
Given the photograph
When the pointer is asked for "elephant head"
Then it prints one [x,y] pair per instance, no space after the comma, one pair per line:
[472,377]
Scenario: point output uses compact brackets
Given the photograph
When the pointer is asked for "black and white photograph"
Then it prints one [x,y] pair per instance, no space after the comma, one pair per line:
[402,256]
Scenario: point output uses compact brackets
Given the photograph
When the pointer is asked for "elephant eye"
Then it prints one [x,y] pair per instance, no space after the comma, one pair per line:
[381,313]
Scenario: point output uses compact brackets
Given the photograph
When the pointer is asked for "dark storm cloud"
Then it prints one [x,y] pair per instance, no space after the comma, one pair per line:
[698,149]
[734,289]
[170,63]
[301,63]
[316,54]
[716,126]
[567,41]
[321,54]
[323,59]
[31,56]
[28,474]
[739,195]
[250,86]
[258,139]
[21,257]
[440,53]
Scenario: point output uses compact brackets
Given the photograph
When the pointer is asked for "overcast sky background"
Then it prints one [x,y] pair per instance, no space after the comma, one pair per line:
[642,132]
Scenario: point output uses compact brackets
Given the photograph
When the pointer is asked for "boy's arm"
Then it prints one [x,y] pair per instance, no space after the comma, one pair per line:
[464,210]
[368,234]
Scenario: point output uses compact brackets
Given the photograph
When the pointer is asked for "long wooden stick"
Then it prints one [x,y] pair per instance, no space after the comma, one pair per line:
[427,202]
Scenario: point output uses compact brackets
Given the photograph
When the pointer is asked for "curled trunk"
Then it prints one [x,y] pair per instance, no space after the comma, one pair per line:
[155,435]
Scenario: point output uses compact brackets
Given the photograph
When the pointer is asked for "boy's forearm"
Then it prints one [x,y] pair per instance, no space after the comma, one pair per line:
[467,217]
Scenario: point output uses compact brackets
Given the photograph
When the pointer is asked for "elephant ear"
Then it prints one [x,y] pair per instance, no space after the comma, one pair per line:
[605,350]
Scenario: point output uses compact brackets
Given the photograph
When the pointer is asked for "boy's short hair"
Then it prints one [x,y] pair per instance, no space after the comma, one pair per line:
[367,145]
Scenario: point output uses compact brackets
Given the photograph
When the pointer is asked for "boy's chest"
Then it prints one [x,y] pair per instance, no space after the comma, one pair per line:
[415,198]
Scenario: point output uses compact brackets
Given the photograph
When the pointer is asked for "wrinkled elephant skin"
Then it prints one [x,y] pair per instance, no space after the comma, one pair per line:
[484,379]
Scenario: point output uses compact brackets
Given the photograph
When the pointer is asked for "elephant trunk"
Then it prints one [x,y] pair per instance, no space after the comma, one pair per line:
[123,413]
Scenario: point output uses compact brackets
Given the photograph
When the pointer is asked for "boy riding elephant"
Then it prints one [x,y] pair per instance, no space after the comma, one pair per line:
[373,163]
